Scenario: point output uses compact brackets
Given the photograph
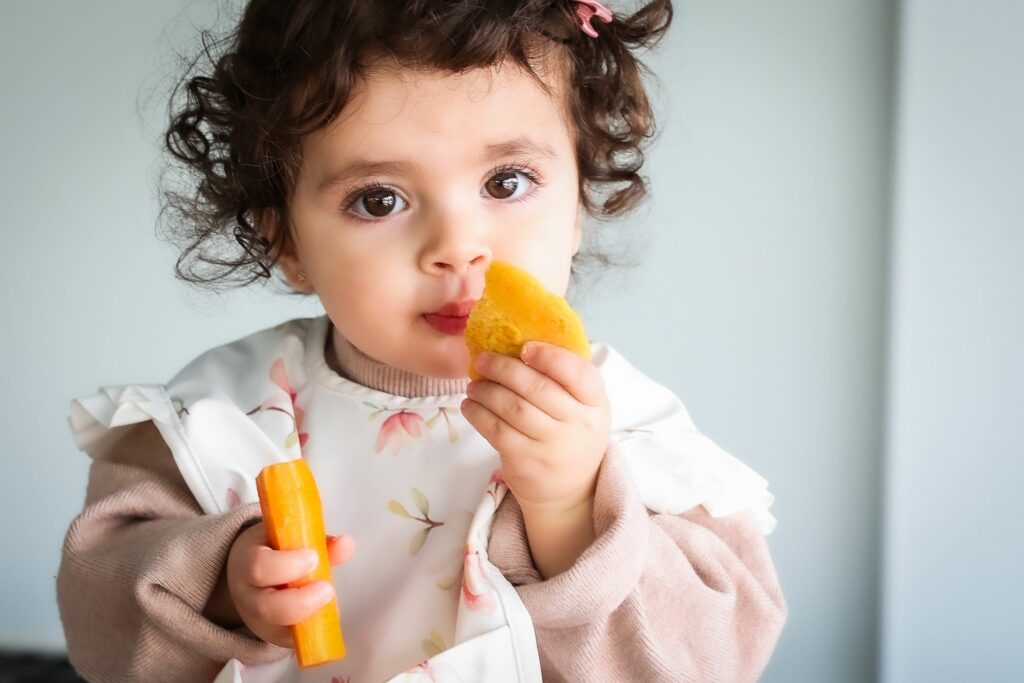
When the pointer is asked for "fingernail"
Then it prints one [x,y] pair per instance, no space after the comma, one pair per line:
[325,591]
[312,560]
[526,353]
[482,361]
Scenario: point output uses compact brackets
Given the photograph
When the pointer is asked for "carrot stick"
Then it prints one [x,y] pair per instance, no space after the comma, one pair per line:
[294,519]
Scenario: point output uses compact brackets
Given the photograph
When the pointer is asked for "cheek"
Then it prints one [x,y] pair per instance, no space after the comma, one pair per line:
[546,253]
[366,292]
[558,282]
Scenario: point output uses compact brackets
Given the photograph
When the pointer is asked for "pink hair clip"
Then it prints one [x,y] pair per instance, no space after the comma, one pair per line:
[588,9]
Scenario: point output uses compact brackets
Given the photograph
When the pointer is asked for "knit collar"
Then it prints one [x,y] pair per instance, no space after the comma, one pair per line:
[351,363]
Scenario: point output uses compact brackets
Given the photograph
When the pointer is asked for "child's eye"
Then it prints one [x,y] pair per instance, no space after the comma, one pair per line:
[510,183]
[376,202]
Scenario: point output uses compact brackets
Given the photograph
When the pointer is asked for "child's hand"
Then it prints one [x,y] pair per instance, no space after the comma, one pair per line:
[549,419]
[257,574]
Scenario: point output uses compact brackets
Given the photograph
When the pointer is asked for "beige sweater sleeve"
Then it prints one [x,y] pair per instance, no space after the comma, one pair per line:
[138,566]
[654,598]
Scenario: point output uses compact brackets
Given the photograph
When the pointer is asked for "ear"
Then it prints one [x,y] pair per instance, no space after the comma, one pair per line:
[289,260]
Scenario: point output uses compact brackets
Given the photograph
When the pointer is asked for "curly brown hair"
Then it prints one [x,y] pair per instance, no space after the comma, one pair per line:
[287,69]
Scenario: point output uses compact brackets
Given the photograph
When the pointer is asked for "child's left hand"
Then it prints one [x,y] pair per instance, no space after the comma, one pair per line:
[548,417]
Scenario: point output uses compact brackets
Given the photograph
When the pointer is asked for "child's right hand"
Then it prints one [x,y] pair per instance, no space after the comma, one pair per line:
[257,576]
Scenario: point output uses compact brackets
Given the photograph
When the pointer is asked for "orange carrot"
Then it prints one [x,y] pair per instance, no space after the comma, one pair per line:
[294,519]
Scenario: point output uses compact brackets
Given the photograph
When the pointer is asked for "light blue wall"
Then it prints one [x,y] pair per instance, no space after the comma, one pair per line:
[89,295]
[954,600]
[763,299]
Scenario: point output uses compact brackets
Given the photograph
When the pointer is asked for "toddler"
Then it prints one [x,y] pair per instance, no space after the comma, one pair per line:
[559,519]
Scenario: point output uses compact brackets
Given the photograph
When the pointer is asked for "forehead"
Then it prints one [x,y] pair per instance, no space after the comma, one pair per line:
[438,116]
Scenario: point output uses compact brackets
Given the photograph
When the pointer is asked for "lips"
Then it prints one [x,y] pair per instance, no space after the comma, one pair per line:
[451,318]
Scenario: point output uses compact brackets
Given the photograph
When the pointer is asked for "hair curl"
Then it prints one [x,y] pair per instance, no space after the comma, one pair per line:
[287,69]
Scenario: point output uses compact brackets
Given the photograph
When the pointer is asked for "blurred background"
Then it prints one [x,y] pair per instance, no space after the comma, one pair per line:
[831,278]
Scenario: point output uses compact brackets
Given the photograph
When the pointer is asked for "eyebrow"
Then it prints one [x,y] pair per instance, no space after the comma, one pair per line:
[363,167]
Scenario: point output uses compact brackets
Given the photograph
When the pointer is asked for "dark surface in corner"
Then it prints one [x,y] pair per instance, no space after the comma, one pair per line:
[26,667]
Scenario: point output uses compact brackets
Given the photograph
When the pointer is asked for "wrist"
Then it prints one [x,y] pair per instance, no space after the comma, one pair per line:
[558,535]
[567,505]
[556,508]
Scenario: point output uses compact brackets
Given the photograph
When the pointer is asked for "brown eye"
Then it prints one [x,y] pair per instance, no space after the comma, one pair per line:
[506,184]
[378,203]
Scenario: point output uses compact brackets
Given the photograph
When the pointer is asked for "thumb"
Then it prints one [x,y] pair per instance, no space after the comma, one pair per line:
[340,548]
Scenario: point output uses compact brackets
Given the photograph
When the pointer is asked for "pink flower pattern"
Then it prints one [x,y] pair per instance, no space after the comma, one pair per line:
[474,588]
[279,376]
[399,431]
[424,668]
[497,479]
[406,429]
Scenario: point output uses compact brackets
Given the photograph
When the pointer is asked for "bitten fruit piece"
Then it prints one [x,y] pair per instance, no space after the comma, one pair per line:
[294,519]
[516,308]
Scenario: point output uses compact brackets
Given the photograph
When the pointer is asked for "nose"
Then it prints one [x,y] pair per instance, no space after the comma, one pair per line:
[455,249]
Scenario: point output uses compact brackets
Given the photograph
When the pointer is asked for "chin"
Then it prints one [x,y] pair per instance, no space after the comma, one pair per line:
[454,366]
[452,371]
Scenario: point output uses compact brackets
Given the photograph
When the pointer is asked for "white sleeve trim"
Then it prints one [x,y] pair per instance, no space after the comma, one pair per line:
[673,465]
[92,417]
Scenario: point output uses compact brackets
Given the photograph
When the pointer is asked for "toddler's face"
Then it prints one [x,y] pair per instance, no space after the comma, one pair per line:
[406,198]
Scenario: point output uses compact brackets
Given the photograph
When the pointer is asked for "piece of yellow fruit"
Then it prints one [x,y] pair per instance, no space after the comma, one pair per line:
[294,518]
[516,308]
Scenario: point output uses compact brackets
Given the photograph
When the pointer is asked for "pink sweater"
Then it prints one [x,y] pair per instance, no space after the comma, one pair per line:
[655,598]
